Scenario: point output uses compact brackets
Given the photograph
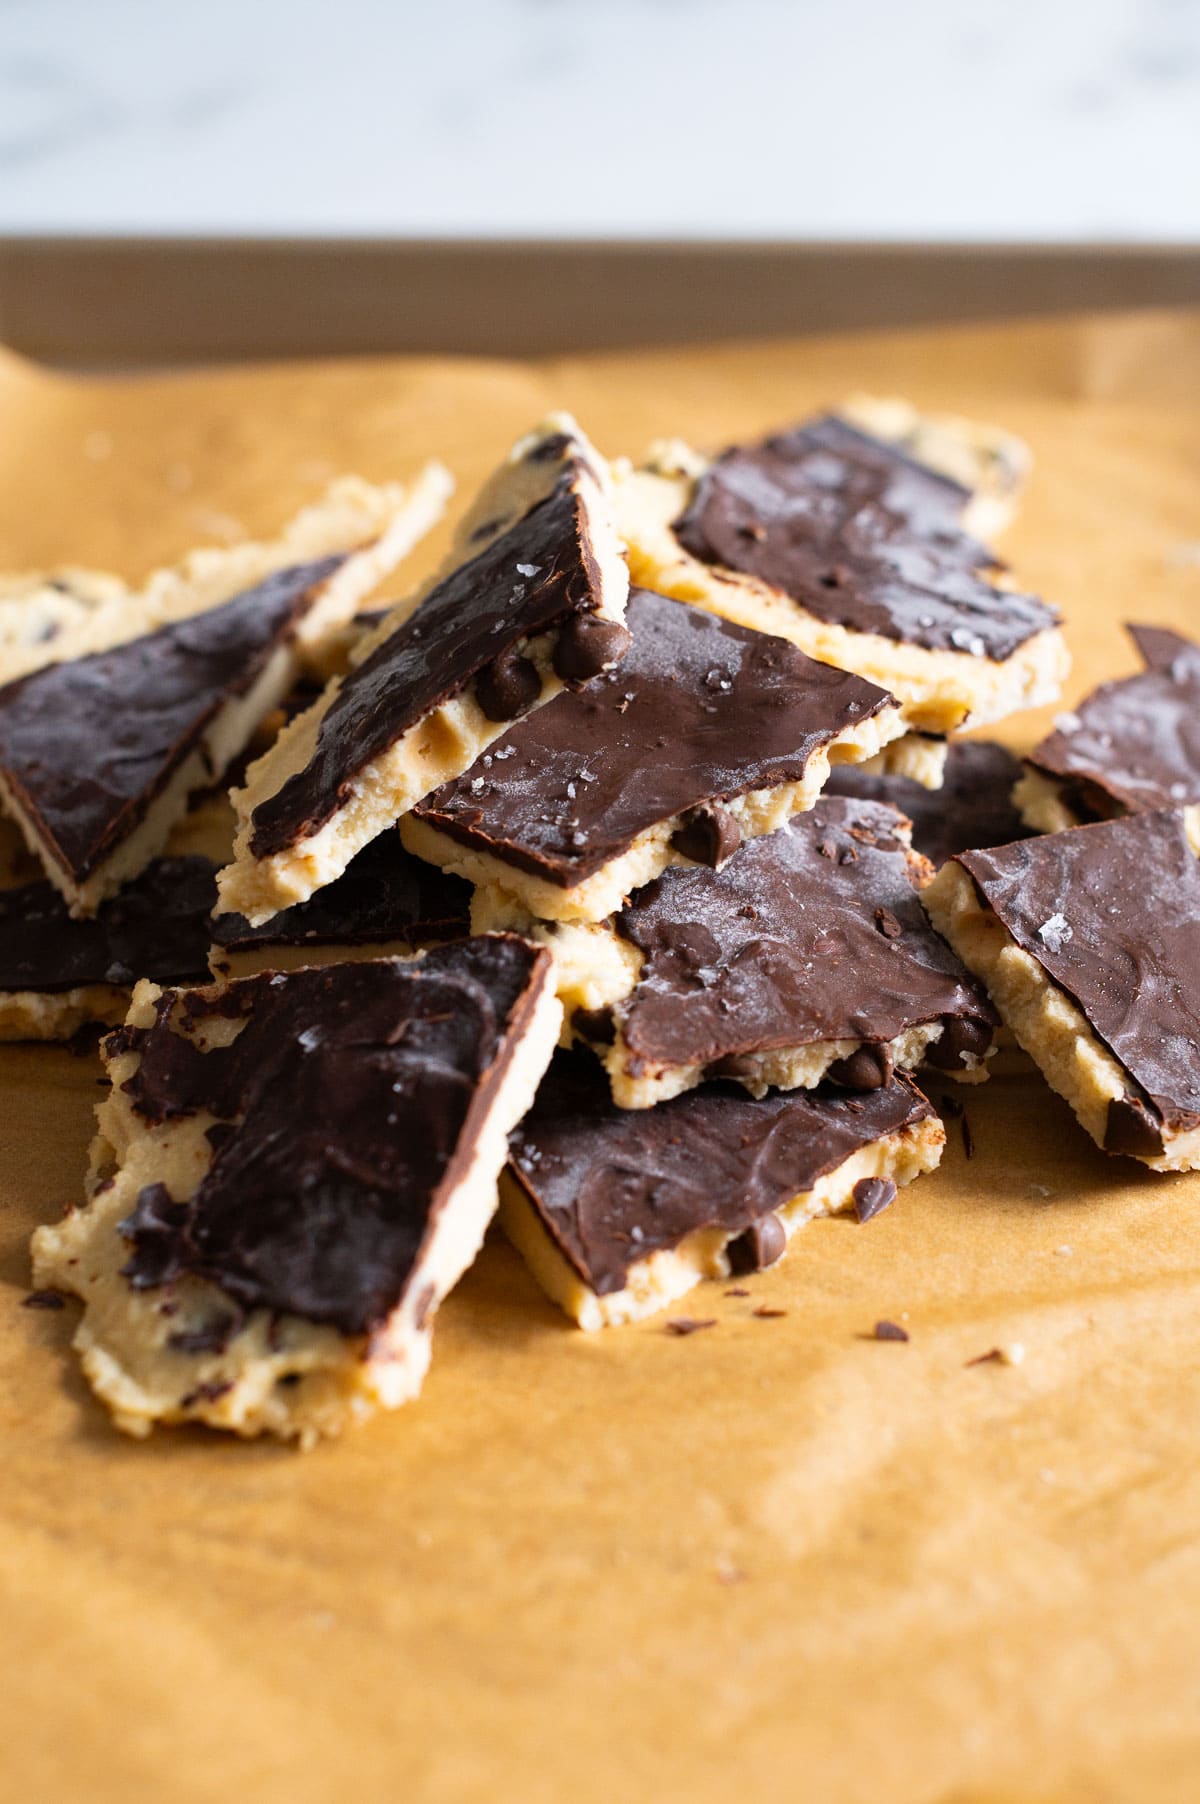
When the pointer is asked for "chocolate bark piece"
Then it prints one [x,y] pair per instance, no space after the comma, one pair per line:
[860,535]
[56,971]
[807,950]
[540,587]
[619,1212]
[385,895]
[1089,941]
[313,1154]
[91,746]
[701,716]
[974,806]
[1132,745]
[855,552]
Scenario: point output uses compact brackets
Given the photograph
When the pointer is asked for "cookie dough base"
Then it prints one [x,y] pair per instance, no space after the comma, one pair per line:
[938,691]
[224,737]
[665,1276]
[916,756]
[595,898]
[595,968]
[1042,805]
[57,1014]
[278,1374]
[1050,1027]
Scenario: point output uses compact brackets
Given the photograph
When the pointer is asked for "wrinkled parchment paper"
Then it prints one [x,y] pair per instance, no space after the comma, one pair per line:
[774,1560]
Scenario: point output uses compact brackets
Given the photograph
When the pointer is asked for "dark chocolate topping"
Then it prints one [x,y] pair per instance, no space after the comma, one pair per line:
[973,807]
[87,745]
[157,927]
[538,574]
[384,894]
[859,535]
[700,711]
[1134,744]
[1111,912]
[347,1108]
[615,1185]
[787,945]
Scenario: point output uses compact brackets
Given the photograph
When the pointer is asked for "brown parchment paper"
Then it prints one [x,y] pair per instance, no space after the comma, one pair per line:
[770,1561]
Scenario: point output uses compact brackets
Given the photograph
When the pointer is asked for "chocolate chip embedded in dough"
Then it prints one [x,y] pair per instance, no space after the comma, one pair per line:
[868,1068]
[962,1039]
[872,1196]
[508,686]
[588,644]
[734,1065]
[596,1025]
[708,835]
[1131,1128]
[763,1243]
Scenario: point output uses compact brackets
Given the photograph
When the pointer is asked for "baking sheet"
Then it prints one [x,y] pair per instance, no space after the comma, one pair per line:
[773,1560]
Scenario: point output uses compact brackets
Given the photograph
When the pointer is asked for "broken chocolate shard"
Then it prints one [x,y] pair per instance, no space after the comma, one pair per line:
[530,807]
[1132,745]
[809,965]
[460,628]
[1129,889]
[87,745]
[861,536]
[351,1088]
[872,1196]
[612,1186]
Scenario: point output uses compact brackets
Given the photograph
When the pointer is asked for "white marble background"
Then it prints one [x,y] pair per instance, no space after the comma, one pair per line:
[853,119]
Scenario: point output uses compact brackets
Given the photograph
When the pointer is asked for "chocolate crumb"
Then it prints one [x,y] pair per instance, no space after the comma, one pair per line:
[1009,1355]
[951,1108]
[737,1291]
[968,1138]
[767,1313]
[43,1299]
[887,1331]
[887,924]
[690,1324]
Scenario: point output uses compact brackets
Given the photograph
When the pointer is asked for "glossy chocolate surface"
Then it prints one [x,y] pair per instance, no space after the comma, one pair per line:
[157,927]
[1134,744]
[612,1186]
[860,535]
[699,711]
[346,1109]
[87,745]
[539,574]
[1111,912]
[814,933]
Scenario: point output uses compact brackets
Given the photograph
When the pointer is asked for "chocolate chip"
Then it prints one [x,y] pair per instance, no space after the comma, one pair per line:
[596,1025]
[508,686]
[872,1196]
[43,1299]
[762,1244]
[708,834]
[868,1068]
[1131,1128]
[212,1336]
[689,1324]
[588,644]
[963,1035]
[887,924]
[888,1331]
